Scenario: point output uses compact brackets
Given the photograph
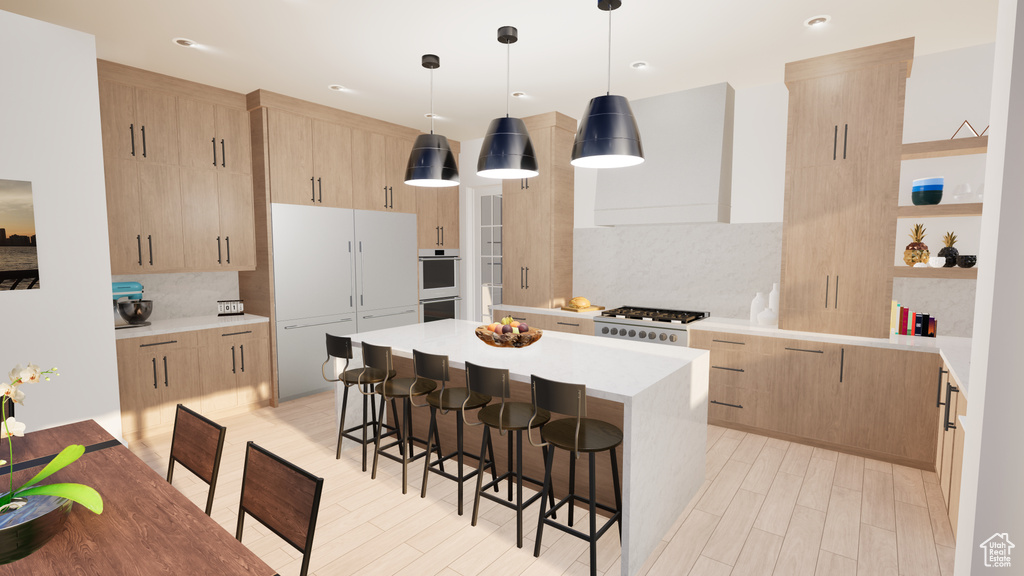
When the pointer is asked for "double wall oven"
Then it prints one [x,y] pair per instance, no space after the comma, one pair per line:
[439,285]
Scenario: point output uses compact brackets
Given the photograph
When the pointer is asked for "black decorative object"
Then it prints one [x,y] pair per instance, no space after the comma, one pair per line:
[926,197]
[507,152]
[431,162]
[26,529]
[966,260]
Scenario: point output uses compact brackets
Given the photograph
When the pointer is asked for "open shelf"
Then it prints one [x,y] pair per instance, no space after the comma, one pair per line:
[939,211]
[945,148]
[951,273]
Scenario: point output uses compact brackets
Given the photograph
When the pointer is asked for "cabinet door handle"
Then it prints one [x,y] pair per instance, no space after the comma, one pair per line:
[232,359]
[391,189]
[437,235]
[835,141]
[143,141]
[158,344]
[835,301]
[218,251]
[938,392]
[730,342]
[362,267]
[131,130]
[236,333]
[241,352]
[846,130]
[442,235]
[222,154]
[165,371]
[320,190]
[726,404]
[842,361]
[385,197]
[527,277]
[522,282]
[138,238]
[729,369]
[312,189]
[214,142]
[949,391]
[827,278]
[805,350]
[567,324]
[527,183]
[150,238]
[227,244]
[520,319]
[154,373]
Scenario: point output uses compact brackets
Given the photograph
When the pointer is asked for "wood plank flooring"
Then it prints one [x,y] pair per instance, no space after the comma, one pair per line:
[767,507]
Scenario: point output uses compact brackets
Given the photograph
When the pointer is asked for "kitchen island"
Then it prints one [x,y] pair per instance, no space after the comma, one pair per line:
[657,394]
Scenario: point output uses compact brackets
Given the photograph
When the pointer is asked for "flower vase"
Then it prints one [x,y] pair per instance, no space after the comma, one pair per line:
[757,305]
[26,529]
[773,299]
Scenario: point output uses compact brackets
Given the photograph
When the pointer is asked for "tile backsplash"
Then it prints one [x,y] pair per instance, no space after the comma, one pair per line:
[185,295]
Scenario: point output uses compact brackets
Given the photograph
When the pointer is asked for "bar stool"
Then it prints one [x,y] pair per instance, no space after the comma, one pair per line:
[363,379]
[575,434]
[505,417]
[393,389]
[460,399]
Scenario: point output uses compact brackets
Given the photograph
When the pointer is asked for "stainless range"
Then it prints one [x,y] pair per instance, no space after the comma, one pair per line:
[647,324]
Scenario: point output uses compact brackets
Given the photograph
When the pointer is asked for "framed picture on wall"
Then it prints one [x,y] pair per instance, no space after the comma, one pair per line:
[19,266]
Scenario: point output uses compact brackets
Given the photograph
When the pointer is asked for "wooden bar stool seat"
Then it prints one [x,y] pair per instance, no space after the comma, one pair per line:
[594,436]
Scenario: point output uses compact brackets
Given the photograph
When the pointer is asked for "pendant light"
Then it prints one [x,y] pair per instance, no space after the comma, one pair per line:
[431,162]
[507,152]
[608,136]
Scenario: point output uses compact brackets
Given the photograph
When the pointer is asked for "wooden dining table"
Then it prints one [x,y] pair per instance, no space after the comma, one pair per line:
[147,527]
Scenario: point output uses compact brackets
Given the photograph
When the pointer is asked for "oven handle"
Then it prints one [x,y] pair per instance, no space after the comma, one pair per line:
[441,299]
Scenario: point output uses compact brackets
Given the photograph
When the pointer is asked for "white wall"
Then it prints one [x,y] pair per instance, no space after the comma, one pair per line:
[49,111]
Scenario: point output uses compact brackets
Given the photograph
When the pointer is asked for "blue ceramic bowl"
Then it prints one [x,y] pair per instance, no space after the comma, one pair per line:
[926,197]
[927,188]
[930,181]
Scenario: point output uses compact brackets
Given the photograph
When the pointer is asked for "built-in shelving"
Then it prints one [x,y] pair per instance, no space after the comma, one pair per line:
[939,210]
[945,148]
[949,273]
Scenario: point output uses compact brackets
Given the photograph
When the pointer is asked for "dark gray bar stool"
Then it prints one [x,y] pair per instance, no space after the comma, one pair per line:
[505,417]
[460,399]
[575,434]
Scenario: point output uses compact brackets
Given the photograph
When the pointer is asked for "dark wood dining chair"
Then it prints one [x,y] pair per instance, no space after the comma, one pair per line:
[197,444]
[282,497]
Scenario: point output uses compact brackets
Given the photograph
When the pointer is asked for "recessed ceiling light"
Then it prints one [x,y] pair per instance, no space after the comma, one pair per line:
[518,94]
[184,42]
[816,21]
[337,87]
[434,116]
[638,65]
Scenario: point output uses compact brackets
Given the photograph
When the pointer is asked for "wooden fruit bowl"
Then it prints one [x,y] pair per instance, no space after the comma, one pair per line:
[508,340]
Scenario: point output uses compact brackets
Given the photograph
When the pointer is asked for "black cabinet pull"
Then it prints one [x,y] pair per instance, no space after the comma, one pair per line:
[131,130]
[827,278]
[158,344]
[835,141]
[835,301]
[527,277]
[154,373]
[442,235]
[846,130]
[241,351]
[232,359]
[520,319]
[567,324]
[938,392]
[522,282]
[729,369]
[804,350]
[949,391]
[391,189]
[385,197]
[214,142]
[165,371]
[726,404]
[842,360]
[236,333]
[227,244]
[143,141]
[312,189]
[437,235]
[138,238]
[222,154]
[150,238]
[527,183]
[730,342]
[320,190]
[218,250]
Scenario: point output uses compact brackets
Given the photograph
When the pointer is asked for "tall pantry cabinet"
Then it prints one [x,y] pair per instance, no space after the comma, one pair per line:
[842,178]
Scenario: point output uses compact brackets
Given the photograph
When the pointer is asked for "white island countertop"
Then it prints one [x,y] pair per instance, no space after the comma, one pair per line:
[663,391]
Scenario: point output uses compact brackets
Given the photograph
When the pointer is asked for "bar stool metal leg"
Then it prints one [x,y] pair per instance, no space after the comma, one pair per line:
[572,484]
[593,512]
[548,461]
[615,485]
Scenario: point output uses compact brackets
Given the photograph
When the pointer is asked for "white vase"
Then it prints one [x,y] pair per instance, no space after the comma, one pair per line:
[757,305]
[773,299]
[768,317]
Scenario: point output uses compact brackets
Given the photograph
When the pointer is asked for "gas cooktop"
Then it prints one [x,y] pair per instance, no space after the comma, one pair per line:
[654,314]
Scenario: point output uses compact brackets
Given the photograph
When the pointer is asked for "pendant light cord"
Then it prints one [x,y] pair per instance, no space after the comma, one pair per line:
[431,100]
[508,79]
[609,52]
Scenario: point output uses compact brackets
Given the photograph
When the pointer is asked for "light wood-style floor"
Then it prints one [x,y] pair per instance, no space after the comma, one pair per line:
[768,507]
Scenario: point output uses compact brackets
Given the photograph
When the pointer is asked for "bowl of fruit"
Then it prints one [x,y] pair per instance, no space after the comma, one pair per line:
[509,333]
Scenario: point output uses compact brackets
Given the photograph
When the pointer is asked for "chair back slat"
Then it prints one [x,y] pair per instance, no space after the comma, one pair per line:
[339,347]
[282,496]
[378,357]
[487,381]
[197,443]
[560,397]
[430,366]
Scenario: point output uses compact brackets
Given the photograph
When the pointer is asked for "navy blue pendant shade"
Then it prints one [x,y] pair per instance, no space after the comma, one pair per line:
[608,136]
[431,163]
[507,152]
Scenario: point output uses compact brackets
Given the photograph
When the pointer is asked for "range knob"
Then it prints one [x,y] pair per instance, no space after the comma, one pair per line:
[663,337]
[651,335]
[615,331]
[643,334]
[632,333]
[673,338]
[604,330]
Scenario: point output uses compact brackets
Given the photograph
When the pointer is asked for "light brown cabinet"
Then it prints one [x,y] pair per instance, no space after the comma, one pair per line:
[378,177]
[213,137]
[310,160]
[842,160]
[144,217]
[740,380]
[437,218]
[235,367]
[538,220]
[218,220]
[556,322]
[138,124]
[950,460]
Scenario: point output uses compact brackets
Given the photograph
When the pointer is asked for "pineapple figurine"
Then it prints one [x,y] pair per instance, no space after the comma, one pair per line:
[949,252]
[917,251]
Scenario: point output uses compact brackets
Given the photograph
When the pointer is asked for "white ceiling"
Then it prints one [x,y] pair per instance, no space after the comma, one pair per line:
[299,47]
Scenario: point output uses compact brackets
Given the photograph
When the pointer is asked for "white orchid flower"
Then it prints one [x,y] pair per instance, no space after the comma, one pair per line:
[12,392]
[21,375]
[12,428]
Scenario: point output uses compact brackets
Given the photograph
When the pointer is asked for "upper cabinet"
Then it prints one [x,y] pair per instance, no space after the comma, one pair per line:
[178,174]
[378,175]
[842,180]
[687,172]
[310,160]
[538,220]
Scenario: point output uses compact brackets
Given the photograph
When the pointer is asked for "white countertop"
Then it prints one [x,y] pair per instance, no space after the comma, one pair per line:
[955,351]
[547,311]
[173,325]
[611,369]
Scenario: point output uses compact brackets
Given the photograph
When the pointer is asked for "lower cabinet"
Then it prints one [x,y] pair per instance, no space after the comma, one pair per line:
[217,371]
[556,322]
[741,379]
[950,457]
